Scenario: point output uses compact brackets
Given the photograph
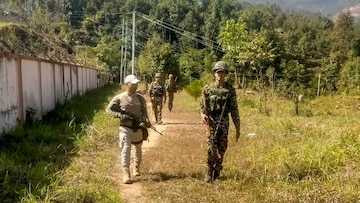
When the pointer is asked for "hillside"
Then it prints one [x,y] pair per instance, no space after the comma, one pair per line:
[326,7]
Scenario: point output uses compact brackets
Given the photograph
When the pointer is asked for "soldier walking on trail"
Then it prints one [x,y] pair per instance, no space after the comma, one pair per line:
[157,94]
[217,101]
[131,131]
[170,85]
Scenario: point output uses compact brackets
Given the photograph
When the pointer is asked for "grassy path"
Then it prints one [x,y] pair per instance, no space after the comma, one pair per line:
[75,157]
[173,125]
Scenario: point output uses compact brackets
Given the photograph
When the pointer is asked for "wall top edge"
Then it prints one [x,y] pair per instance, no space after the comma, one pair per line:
[18,56]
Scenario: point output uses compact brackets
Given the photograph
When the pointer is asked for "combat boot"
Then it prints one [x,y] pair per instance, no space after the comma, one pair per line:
[216,174]
[126,176]
[209,175]
[137,170]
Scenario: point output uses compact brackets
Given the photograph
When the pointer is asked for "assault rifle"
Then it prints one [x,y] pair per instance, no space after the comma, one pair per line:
[212,122]
[137,120]
[212,136]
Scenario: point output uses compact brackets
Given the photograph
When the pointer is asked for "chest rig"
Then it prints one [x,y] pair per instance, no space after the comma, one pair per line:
[157,90]
[217,97]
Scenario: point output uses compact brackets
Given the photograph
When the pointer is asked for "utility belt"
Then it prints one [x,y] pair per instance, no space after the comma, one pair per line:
[157,98]
[132,127]
[135,129]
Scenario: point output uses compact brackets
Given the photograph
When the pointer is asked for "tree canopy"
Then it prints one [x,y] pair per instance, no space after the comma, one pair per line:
[186,38]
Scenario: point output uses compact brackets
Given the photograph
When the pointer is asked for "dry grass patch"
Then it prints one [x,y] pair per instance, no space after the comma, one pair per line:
[306,158]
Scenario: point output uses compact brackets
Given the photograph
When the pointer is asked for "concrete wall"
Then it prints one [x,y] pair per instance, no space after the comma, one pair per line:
[35,85]
[9,86]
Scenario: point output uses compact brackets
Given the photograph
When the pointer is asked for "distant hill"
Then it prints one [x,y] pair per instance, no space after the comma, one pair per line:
[326,7]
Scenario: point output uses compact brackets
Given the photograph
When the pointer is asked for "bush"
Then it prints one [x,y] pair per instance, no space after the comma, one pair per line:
[194,89]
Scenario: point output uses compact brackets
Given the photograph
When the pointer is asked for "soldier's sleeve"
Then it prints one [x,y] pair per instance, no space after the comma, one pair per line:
[202,108]
[113,109]
[144,112]
[234,108]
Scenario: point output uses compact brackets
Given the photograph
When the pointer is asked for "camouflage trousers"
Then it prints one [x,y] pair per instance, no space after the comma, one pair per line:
[157,108]
[170,100]
[217,146]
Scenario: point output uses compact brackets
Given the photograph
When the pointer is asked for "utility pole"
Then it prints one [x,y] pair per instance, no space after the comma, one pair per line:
[125,53]
[122,51]
[133,44]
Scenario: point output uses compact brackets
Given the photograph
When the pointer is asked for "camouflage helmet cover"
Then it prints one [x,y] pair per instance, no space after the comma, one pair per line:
[158,75]
[220,66]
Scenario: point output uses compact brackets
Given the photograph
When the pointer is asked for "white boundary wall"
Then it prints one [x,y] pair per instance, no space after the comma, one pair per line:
[28,83]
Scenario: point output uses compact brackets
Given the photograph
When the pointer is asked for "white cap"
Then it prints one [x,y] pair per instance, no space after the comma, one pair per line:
[132,79]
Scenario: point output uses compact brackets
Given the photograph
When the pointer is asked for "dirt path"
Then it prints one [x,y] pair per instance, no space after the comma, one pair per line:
[172,121]
[134,193]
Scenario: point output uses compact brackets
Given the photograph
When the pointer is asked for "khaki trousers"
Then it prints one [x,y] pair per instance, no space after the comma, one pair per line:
[127,135]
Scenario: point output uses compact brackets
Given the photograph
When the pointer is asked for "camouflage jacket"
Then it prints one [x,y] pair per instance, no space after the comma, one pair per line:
[213,100]
[157,91]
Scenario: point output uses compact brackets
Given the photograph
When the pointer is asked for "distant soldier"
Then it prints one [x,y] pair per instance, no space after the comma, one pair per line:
[157,94]
[170,85]
[217,101]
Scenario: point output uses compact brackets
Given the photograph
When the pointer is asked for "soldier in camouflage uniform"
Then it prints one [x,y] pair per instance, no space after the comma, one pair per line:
[131,132]
[170,86]
[217,101]
[157,92]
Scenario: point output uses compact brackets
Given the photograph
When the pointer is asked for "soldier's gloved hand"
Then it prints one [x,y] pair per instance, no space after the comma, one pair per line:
[237,135]
[147,124]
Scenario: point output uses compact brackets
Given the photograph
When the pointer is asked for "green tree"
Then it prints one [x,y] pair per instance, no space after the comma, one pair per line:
[291,85]
[74,12]
[263,52]
[158,56]
[194,89]
[191,63]
[233,40]
[342,34]
[350,74]
[108,52]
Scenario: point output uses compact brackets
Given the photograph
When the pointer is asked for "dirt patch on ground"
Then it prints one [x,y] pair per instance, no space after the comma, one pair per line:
[134,193]
[173,122]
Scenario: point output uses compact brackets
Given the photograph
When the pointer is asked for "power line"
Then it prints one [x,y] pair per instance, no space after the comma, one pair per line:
[182,32]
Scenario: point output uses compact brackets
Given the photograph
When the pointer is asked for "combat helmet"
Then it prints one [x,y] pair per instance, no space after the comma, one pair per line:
[220,66]
[158,75]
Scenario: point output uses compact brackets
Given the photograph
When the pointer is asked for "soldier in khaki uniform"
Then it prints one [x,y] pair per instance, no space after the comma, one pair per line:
[170,86]
[131,132]
[218,100]
[157,94]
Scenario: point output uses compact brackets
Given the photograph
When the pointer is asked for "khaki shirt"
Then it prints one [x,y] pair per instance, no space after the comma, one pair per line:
[133,103]
[170,85]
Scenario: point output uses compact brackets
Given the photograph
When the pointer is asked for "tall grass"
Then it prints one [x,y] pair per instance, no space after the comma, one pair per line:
[33,159]
[313,157]
[308,158]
